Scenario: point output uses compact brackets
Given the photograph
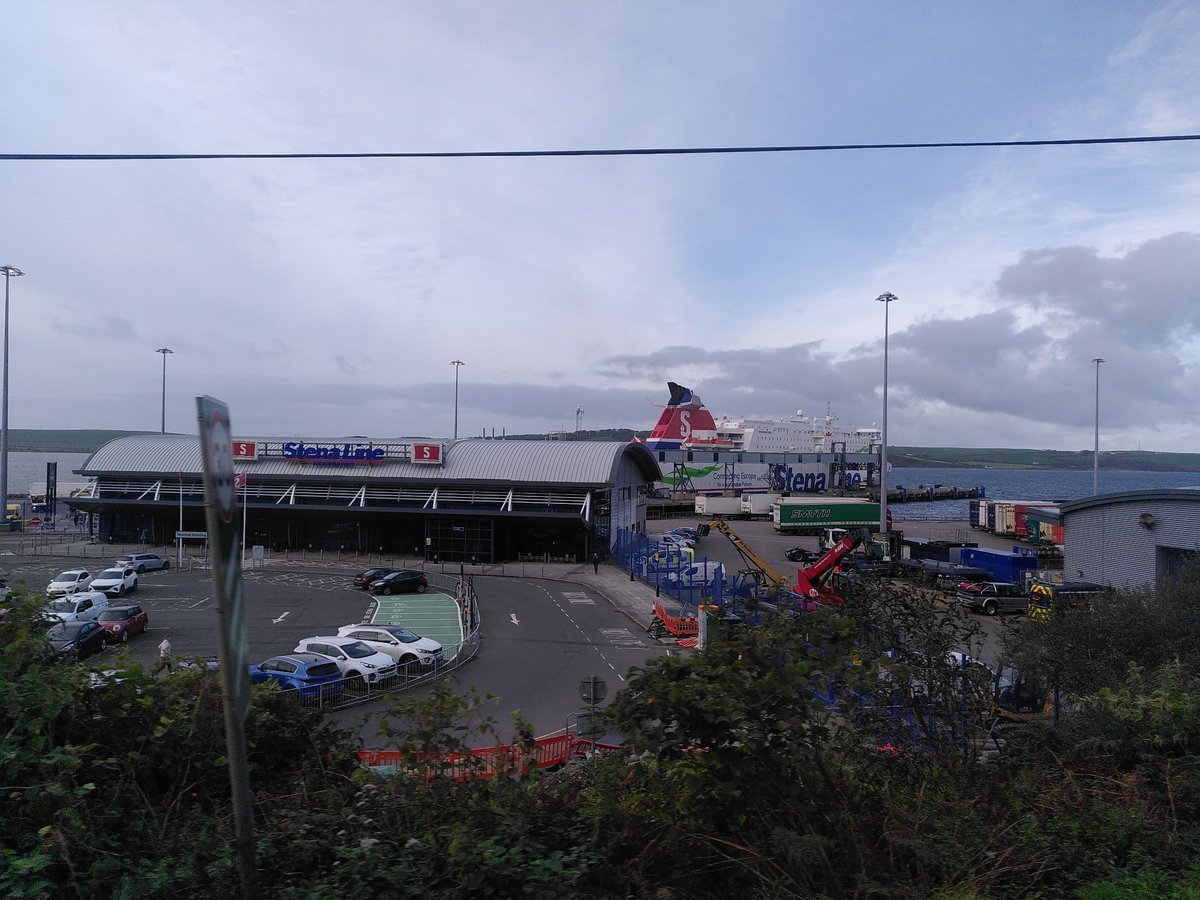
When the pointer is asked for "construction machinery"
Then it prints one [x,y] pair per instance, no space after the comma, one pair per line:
[810,580]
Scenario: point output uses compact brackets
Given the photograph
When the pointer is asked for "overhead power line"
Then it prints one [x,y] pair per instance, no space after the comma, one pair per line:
[628,151]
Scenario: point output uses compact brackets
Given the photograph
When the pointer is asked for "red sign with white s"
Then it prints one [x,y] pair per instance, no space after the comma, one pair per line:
[427,453]
[245,450]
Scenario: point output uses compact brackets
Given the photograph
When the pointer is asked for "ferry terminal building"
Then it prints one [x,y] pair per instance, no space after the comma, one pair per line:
[470,500]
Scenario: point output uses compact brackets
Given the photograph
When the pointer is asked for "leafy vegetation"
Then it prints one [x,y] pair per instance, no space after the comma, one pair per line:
[834,754]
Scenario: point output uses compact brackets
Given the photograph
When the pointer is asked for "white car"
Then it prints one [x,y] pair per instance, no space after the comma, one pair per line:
[116,582]
[676,540]
[400,644]
[69,582]
[143,562]
[697,575]
[83,606]
[354,658]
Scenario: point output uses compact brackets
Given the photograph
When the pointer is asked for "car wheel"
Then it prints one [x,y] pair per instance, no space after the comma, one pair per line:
[989,607]
[121,591]
[141,570]
[422,587]
[125,636]
[387,591]
[355,682]
[166,565]
[407,660]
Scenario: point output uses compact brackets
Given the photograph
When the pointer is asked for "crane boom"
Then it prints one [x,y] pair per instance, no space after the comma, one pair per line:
[773,580]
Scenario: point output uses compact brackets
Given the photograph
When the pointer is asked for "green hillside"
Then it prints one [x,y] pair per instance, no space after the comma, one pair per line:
[52,440]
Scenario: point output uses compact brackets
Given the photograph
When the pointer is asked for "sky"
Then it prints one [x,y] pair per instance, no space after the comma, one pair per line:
[323,298]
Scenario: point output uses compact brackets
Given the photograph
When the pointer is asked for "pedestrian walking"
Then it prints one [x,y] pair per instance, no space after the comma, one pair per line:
[165,660]
[596,562]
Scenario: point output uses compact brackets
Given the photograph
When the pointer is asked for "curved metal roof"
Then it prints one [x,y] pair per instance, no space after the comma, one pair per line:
[466,460]
[1186,494]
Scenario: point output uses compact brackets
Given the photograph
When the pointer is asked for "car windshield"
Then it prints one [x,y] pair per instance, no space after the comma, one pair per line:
[114,615]
[115,574]
[64,606]
[402,634]
[357,650]
[65,632]
[67,576]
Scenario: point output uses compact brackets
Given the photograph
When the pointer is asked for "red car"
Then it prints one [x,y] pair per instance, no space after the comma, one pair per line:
[120,622]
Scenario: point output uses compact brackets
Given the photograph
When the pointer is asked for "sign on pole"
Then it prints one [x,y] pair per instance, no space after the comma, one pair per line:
[221,514]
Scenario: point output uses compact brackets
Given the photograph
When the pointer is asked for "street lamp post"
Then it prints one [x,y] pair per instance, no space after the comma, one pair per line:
[10,272]
[458,364]
[1096,453]
[886,299]
[164,351]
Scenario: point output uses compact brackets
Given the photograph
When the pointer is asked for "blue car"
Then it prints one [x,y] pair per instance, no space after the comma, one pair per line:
[308,674]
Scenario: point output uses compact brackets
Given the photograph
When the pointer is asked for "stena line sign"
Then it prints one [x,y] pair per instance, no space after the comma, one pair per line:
[334,454]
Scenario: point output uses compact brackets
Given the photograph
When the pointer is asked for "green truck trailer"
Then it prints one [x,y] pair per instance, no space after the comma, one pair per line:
[804,515]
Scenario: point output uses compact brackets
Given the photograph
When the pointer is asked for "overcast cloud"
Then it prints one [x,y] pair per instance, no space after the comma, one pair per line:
[327,297]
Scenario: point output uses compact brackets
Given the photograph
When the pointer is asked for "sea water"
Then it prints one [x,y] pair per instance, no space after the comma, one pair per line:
[1059,485]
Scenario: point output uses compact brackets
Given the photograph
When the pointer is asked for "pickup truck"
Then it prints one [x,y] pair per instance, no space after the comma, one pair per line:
[991,597]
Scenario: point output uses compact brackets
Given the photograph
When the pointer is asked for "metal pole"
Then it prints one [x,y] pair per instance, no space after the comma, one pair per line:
[164,351]
[457,363]
[1096,453]
[9,273]
[886,300]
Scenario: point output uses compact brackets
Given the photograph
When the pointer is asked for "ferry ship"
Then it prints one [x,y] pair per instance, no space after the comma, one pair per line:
[686,424]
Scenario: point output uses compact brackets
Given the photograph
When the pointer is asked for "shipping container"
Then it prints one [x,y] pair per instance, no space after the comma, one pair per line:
[758,504]
[1005,566]
[804,515]
[718,505]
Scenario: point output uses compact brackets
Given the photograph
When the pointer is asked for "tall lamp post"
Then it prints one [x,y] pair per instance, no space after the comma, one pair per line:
[886,299]
[10,272]
[1096,453]
[458,364]
[164,351]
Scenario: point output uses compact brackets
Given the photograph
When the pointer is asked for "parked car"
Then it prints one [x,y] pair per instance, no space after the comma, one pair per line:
[143,562]
[687,531]
[309,674]
[77,640]
[69,582]
[399,643]
[676,540]
[122,622]
[354,659]
[363,579]
[991,597]
[803,554]
[82,607]
[116,582]
[696,575]
[400,581]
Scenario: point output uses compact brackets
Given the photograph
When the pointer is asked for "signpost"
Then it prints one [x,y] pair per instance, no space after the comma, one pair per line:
[221,514]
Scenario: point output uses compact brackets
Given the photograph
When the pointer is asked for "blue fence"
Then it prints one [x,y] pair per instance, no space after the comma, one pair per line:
[681,573]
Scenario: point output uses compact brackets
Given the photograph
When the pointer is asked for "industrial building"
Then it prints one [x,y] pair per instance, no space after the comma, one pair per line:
[471,500]
[1130,539]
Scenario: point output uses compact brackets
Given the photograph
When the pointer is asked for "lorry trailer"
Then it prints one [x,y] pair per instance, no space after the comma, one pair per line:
[812,515]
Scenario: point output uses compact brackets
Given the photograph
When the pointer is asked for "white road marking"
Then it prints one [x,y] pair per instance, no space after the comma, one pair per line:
[281,618]
[578,597]
[513,617]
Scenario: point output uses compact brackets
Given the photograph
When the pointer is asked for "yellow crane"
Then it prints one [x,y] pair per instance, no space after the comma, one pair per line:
[760,570]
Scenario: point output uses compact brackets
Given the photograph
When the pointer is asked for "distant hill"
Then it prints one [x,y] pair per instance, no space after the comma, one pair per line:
[85,441]
[51,440]
[978,458]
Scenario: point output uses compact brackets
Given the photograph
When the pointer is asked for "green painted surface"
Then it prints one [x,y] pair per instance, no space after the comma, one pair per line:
[430,615]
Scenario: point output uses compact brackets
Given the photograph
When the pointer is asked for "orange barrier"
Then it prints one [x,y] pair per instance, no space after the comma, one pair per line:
[484,762]
[680,626]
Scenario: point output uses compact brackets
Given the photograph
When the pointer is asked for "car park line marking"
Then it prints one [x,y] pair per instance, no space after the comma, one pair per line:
[513,617]
[282,617]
